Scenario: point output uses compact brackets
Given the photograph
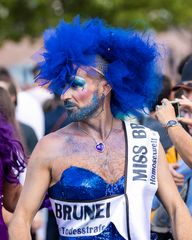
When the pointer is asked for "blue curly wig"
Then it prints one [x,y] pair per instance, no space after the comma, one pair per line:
[131,59]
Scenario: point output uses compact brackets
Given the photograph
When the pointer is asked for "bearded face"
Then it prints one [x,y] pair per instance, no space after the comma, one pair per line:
[84,97]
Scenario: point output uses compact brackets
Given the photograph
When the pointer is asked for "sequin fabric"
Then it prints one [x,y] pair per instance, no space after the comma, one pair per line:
[81,184]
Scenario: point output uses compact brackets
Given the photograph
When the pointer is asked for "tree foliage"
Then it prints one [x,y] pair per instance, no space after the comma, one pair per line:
[20,18]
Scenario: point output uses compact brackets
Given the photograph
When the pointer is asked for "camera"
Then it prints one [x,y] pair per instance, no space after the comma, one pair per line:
[176,106]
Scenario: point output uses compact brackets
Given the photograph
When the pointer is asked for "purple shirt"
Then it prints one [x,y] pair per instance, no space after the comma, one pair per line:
[3,227]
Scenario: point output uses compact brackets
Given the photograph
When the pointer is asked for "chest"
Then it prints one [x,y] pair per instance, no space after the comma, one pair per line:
[81,152]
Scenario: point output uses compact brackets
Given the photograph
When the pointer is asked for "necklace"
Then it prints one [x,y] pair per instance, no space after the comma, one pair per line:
[100,146]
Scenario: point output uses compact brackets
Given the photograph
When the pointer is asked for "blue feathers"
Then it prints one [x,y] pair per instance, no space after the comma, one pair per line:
[131,56]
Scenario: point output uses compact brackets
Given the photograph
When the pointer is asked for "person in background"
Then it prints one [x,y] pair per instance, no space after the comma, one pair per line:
[166,116]
[12,162]
[172,156]
[24,133]
[55,114]
[27,134]
[182,141]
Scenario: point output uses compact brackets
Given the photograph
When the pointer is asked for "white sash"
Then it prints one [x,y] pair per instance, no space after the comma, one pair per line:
[141,178]
[129,212]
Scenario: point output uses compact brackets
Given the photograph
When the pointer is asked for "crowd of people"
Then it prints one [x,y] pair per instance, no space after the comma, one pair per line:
[115,162]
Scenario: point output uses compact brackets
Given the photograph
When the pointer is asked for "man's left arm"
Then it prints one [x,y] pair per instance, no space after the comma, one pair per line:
[170,197]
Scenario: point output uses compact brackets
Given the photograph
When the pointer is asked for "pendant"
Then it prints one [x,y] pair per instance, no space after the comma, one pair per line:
[100,147]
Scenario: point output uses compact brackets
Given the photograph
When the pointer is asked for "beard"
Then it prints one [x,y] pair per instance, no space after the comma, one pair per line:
[85,112]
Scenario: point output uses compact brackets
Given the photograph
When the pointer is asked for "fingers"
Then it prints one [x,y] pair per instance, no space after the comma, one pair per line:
[185,103]
[185,120]
[179,182]
[177,177]
[165,112]
[157,107]
[183,97]
[174,166]
[165,101]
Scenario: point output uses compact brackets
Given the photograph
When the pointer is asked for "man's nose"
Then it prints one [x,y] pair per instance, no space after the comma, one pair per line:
[66,94]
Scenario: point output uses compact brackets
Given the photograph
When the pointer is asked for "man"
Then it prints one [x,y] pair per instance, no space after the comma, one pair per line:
[100,186]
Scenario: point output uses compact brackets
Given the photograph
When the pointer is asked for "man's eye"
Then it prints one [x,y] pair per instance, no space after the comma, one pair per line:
[74,86]
[78,82]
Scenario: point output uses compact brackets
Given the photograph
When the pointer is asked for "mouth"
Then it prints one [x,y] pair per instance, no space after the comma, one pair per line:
[69,106]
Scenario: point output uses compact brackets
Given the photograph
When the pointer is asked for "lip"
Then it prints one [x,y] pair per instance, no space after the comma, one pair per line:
[69,106]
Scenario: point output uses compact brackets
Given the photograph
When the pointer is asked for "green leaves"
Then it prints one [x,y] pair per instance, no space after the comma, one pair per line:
[20,18]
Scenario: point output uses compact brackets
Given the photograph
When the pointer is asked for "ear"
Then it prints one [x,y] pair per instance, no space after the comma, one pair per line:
[106,87]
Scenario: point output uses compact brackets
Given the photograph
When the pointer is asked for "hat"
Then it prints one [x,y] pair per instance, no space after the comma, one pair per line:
[186,77]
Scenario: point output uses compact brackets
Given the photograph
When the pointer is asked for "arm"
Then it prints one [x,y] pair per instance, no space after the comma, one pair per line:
[179,137]
[180,218]
[37,222]
[36,183]
[182,142]
[11,192]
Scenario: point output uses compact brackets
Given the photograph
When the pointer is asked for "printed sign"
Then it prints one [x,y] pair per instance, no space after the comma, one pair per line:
[90,218]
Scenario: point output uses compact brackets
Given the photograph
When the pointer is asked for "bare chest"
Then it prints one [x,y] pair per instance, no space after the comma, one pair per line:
[82,153]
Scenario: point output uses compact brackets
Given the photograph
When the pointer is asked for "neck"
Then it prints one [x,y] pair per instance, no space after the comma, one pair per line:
[100,124]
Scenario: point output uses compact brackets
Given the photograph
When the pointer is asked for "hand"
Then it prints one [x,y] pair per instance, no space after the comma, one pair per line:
[165,112]
[188,121]
[177,177]
[185,103]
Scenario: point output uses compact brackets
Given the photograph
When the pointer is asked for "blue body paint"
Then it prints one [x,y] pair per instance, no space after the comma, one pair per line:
[75,115]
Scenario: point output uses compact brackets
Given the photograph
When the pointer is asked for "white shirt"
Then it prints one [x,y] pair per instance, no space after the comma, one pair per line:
[30,112]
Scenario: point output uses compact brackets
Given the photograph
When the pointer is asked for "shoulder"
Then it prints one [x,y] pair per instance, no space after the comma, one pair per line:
[54,143]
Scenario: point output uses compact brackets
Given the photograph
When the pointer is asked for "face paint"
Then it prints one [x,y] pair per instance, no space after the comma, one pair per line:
[85,112]
[78,82]
[75,83]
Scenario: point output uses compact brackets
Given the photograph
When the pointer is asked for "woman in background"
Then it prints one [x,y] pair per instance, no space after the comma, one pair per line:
[12,159]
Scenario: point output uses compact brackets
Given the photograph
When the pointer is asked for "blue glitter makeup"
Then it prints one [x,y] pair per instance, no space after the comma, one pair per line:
[78,82]
[85,112]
